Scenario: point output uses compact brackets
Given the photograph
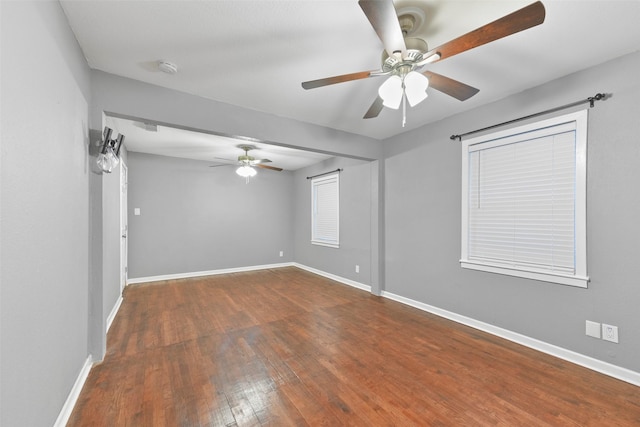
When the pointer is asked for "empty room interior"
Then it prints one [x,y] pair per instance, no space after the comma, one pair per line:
[291,212]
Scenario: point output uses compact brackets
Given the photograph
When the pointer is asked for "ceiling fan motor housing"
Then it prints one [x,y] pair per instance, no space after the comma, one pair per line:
[246,158]
[416,48]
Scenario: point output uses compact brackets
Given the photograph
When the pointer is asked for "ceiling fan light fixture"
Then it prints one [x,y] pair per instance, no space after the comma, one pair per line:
[246,171]
[415,87]
[391,92]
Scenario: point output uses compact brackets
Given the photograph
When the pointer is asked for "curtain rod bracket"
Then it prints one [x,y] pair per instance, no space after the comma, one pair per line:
[597,97]
[591,100]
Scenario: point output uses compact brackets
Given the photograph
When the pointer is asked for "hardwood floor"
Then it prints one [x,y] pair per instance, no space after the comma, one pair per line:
[286,347]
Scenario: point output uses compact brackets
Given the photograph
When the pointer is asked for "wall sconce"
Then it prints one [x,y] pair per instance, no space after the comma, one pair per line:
[108,157]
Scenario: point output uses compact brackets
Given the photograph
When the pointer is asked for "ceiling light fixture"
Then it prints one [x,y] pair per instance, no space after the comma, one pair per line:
[246,172]
[400,88]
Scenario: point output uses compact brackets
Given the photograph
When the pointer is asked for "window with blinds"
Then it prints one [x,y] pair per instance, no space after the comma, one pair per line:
[524,201]
[325,210]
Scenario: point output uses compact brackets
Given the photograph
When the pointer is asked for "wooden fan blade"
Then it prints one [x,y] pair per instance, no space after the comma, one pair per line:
[337,79]
[273,168]
[256,161]
[522,19]
[384,20]
[375,109]
[454,88]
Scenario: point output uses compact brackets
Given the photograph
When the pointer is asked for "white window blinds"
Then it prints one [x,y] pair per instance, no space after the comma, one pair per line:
[524,204]
[325,212]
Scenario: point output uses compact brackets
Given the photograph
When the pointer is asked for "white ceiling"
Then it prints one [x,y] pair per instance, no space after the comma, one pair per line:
[255,54]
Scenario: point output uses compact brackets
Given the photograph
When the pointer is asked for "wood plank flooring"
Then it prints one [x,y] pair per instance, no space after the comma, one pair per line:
[285,347]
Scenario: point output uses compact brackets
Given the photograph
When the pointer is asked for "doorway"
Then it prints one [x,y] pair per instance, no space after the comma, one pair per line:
[124,227]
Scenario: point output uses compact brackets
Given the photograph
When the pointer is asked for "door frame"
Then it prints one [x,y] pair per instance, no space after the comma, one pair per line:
[124,227]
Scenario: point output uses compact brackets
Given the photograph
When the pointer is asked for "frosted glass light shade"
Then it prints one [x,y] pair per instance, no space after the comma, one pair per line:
[415,86]
[391,92]
[246,171]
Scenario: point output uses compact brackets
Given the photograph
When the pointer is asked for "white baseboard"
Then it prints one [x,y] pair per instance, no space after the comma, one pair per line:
[114,311]
[614,371]
[205,273]
[334,277]
[67,408]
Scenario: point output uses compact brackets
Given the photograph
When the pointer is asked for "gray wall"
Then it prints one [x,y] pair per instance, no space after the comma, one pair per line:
[197,218]
[423,182]
[44,200]
[355,221]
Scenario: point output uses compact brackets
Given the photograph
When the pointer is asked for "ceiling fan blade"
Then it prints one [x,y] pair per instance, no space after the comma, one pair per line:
[257,161]
[375,109]
[223,160]
[527,17]
[384,20]
[268,167]
[312,84]
[454,88]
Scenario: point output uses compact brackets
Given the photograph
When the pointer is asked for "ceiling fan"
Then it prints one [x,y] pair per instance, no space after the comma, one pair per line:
[404,57]
[247,163]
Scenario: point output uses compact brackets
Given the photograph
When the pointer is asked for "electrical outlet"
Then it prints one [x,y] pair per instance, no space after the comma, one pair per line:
[281,253]
[593,329]
[609,333]
[357,268]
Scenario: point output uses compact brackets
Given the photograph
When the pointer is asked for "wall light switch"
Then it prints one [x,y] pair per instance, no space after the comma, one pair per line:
[357,269]
[136,211]
[593,329]
[281,253]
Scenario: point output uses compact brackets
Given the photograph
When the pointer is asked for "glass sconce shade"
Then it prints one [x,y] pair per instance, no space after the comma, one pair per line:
[108,160]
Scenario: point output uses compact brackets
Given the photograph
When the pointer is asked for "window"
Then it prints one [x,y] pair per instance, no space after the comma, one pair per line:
[524,201]
[325,212]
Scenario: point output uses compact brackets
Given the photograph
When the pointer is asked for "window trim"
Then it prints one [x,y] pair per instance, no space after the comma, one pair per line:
[580,277]
[315,240]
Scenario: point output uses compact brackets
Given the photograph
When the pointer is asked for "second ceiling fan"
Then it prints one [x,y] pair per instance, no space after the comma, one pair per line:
[246,163]
[405,57]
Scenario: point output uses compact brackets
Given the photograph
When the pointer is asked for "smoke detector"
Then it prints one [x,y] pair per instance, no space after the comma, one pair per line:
[167,67]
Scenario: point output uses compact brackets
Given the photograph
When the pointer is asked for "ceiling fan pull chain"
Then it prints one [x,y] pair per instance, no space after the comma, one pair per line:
[404,108]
